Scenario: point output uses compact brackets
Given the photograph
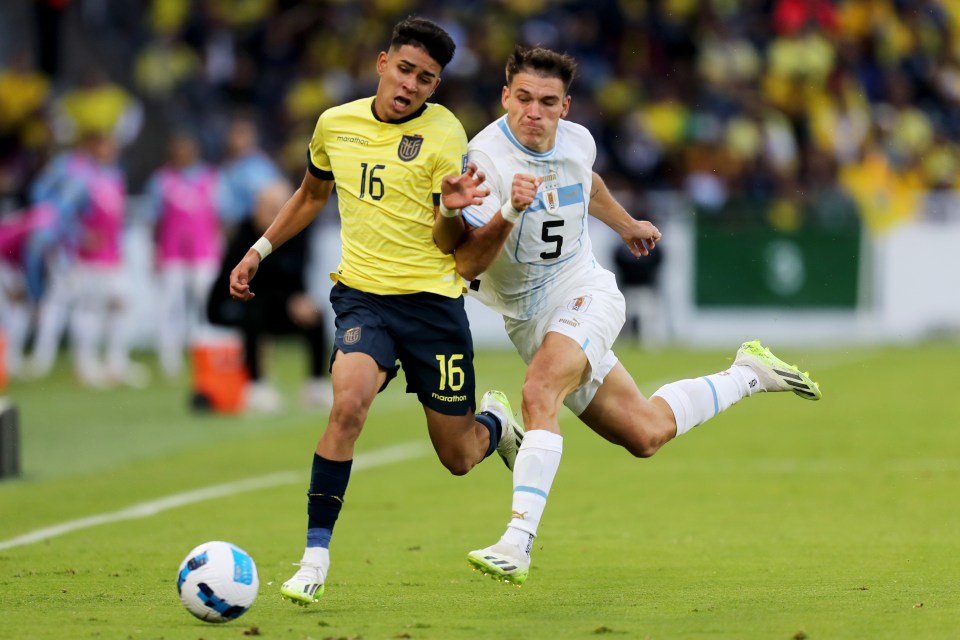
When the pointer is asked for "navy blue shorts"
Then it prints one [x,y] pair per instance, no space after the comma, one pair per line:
[425,333]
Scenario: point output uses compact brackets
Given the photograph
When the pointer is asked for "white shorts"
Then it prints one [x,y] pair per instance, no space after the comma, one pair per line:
[592,316]
[99,285]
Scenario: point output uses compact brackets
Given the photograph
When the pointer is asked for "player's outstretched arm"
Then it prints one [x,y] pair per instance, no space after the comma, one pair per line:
[296,213]
[640,236]
[482,245]
[457,192]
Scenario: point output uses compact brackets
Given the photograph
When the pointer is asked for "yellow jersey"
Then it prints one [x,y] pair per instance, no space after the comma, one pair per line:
[388,177]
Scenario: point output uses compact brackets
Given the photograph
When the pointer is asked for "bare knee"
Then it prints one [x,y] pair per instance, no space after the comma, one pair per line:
[649,433]
[456,462]
[347,417]
[643,446]
[537,398]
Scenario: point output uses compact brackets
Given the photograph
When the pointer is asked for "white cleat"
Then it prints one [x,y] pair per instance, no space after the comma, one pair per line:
[502,561]
[306,585]
[774,374]
[511,436]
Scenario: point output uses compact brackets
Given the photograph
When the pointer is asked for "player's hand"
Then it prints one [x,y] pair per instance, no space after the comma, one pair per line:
[523,190]
[642,237]
[463,190]
[241,276]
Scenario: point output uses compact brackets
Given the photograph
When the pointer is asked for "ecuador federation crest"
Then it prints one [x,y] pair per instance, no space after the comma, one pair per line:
[409,147]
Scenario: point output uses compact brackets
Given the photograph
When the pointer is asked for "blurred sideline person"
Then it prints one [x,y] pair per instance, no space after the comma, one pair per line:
[282,307]
[244,172]
[16,306]
[187,247]
[528,256]
[89,289]
[398,165]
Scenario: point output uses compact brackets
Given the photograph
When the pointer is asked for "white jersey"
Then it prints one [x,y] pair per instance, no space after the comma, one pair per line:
[548,253]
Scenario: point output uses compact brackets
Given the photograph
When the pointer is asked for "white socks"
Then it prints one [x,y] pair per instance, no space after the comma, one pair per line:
[317,556]
[533,473]
[695,401]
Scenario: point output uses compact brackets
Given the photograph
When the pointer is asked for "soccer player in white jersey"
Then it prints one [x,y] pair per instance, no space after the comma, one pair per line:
[528,256]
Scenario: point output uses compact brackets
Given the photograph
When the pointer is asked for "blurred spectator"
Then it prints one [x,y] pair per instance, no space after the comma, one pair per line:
[244,172]
[16,309]
[885,195]
[89,288]
[98,106]
[188,247]
[163,65]
[282,306]
[24,97]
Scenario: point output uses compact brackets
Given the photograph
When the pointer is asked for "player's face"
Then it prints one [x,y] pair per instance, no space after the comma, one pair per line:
[408,76]
[534,107]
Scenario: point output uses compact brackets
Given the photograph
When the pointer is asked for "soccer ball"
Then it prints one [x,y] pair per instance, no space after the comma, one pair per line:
[218,581]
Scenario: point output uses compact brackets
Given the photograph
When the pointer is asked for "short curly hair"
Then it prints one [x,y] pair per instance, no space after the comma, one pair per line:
[426,35]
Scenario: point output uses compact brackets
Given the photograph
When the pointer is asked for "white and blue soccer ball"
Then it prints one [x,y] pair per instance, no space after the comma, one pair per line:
[218,581]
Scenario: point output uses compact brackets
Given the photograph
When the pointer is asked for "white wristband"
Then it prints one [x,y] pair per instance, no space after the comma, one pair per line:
[263,247]
[510,214]
[448,213]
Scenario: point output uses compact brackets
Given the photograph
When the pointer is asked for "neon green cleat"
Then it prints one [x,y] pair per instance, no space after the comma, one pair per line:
[501,561]
[511,437]
[774,374]
[306,585]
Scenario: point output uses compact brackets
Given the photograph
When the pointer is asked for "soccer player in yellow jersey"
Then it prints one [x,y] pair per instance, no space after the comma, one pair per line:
[399,166]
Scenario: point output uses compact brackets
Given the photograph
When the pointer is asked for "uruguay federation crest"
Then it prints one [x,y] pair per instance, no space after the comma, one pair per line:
[551,200]
[550,192]
[409,147]
[580,304]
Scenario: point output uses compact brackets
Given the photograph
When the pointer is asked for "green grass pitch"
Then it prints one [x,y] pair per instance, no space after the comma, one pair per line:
[780,519]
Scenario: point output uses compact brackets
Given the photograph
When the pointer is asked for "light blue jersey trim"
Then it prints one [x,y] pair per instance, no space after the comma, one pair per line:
[471,219]
[713,389]
[533,490]
[571,194]
[505,128]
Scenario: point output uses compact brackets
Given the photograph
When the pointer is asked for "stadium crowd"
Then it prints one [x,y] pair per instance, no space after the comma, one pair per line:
[833,112]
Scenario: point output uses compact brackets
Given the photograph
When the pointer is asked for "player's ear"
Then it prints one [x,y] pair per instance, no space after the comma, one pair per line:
[504,96]
[566,106]
[381,63]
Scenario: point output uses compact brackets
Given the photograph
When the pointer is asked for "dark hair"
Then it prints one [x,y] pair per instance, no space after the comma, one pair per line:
[426,35]
[541,62]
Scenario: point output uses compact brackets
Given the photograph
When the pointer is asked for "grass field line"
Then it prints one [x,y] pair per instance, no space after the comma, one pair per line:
[370,460]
